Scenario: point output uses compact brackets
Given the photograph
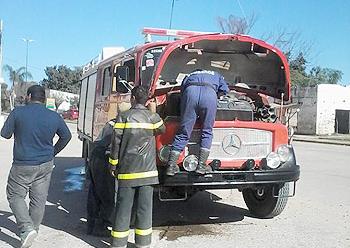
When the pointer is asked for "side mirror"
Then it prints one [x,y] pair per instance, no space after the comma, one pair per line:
[122,73]
[123,87]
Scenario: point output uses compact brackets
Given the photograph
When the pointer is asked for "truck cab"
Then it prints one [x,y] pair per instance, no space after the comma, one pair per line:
[250,150]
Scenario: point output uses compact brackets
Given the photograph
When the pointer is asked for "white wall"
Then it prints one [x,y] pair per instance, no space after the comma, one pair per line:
[306,98]
[62,94]
[329,98]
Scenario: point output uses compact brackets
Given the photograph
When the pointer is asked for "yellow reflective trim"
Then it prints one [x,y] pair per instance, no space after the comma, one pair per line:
[119,125]
[143,232]
[113,161]
[138,125]
[120,235]
[138,175]
[158,124]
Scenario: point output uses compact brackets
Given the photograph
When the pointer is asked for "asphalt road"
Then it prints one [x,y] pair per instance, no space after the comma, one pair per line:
[318,216]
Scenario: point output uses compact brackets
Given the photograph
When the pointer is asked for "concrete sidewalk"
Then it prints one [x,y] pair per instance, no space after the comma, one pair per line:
[335,139]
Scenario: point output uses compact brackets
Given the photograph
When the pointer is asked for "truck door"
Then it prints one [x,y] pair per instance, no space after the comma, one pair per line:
[123,82]
[103,90]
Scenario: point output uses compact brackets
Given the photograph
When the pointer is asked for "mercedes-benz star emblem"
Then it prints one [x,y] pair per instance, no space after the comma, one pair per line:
[231,144]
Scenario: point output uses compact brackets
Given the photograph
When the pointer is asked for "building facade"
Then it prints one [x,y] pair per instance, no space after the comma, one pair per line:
[324,109]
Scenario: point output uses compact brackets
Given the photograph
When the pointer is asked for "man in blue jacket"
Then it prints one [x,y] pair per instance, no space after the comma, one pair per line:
[200,90]
[34,127]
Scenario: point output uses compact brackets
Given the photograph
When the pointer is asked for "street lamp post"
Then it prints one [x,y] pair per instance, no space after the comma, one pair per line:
[27,43]
[171,14]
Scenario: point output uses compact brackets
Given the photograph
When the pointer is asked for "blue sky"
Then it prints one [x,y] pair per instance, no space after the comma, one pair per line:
[73,32]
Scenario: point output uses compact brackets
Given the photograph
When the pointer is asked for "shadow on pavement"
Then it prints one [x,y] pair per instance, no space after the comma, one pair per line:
[67,198]
[193,217]
[67,209]
[6,223]
[202,208]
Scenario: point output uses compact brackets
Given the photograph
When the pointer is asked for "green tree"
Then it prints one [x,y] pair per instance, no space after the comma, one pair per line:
[298,63]
[320,75]
[298,72]
[299,78]
[62,78]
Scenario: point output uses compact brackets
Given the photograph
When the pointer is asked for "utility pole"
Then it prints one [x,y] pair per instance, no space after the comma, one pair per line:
[1,78]
[171,14]
[27,42]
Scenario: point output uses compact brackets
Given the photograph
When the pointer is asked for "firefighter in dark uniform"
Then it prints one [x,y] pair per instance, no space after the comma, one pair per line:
[133,162]
[200,90]
[100,202]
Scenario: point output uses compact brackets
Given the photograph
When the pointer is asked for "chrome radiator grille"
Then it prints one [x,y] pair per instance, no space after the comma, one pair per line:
[235,143]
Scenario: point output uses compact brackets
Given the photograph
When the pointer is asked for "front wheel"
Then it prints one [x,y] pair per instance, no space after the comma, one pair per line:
[266,201]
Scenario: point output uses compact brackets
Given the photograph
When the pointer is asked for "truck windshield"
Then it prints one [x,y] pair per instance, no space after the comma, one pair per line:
[149,61]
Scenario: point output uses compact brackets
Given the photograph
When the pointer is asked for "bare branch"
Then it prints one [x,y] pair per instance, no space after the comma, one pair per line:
[237,25]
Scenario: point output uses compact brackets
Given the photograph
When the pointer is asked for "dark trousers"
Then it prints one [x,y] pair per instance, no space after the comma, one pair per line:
[34,180]
[100,202]
[196,101]
[142,197]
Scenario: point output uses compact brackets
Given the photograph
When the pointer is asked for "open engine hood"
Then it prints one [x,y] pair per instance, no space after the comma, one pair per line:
[243,61]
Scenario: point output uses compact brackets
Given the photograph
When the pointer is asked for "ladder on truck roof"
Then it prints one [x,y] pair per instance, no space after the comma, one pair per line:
[169,32]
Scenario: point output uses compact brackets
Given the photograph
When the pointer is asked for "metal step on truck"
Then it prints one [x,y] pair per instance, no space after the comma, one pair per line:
[251,148]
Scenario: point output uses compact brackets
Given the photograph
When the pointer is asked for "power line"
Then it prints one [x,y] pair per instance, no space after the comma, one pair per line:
[242,10]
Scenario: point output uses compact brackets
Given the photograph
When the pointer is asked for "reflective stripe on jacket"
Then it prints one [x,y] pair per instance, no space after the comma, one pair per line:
[133,149]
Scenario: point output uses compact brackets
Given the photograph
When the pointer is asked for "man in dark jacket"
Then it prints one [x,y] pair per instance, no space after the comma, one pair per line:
[100,202]
[133,162]
[200,90]
[34,127]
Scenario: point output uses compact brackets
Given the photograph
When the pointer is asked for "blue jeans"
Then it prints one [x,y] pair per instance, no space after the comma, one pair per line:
[35,180]
[196,101]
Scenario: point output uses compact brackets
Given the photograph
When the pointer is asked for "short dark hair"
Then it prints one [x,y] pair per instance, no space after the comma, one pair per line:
[140,93]
[37,93]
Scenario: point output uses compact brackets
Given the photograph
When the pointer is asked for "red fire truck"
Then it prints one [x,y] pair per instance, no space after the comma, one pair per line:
[250,150]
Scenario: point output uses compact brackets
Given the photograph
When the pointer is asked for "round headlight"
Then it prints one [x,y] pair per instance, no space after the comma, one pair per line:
[164,153]
[190,163]
[273,160]
[283,152]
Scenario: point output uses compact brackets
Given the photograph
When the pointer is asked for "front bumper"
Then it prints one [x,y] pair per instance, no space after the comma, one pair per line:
[231,179]
[287,171]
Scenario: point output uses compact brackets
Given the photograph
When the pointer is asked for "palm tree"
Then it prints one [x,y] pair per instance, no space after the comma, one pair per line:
[17,78]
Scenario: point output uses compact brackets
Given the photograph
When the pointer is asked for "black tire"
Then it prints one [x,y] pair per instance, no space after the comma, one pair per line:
[263,204]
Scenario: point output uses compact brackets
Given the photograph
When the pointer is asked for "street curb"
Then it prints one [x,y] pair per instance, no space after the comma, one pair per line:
[329,142]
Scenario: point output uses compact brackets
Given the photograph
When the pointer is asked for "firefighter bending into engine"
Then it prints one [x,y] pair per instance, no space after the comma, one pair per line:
[100,202]
[200,90]
[133,162]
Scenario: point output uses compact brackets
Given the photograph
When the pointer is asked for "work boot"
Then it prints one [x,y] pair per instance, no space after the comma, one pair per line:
[172,165]
[101,229]
[202,167]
